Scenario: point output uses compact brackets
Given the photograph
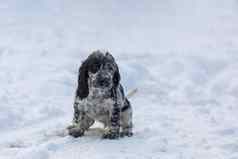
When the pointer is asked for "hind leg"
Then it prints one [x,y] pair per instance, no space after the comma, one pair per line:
[126,123]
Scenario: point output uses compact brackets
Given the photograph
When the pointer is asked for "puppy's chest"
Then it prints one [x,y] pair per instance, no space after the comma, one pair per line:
[97,105]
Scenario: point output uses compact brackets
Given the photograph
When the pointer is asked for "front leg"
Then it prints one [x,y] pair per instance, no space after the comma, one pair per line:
[81,122]
[114,127]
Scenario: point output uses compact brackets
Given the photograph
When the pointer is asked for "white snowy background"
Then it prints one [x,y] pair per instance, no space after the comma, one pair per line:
[182,55]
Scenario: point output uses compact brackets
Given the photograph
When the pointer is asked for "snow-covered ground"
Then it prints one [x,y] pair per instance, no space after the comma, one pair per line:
[182,55]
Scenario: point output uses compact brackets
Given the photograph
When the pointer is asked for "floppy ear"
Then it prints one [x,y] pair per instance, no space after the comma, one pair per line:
[82,90]
[116,77]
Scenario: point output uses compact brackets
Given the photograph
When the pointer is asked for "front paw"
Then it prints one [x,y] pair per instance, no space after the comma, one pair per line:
[111,135]
[76,132]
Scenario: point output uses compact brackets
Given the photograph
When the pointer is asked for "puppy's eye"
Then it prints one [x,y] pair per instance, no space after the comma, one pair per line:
[109,67]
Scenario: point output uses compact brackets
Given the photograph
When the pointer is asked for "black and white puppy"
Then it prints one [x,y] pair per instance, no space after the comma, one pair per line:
[100,97]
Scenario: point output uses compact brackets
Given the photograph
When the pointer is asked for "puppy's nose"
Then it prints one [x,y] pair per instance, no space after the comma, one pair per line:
[103,81]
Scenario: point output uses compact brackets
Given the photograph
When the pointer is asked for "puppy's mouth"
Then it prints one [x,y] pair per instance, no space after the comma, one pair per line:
[103,83]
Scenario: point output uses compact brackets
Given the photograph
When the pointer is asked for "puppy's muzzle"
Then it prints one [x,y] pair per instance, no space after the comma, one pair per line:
[103,81]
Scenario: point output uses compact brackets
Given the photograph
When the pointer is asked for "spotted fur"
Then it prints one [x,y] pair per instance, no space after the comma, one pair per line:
[100,97]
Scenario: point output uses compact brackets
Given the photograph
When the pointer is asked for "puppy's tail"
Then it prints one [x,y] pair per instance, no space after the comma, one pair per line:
[132,93]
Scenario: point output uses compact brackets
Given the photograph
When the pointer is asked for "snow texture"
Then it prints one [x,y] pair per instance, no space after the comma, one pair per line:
[182,55]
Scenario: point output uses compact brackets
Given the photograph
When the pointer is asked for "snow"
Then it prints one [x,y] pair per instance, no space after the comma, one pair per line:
[181,55]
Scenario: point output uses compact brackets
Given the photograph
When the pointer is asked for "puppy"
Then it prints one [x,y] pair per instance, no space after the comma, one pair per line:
[100,97]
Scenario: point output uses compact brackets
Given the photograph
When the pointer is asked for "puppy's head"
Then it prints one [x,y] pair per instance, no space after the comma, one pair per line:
[98,71]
